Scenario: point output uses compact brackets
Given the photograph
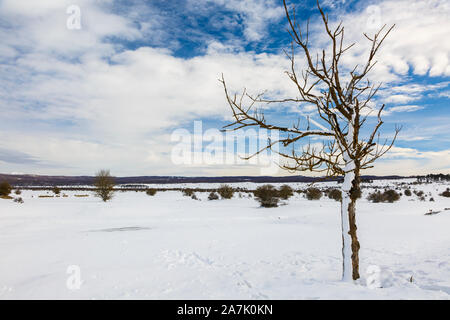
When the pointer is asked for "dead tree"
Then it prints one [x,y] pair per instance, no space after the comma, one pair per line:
[342,98]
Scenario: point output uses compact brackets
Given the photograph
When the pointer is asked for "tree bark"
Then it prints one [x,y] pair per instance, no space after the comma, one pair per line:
[350,243]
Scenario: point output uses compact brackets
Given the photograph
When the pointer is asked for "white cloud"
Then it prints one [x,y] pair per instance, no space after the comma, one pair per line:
[417,42]
[258,15]
[400,98]
[445,94]
[118,104]
[410,161]
[409,92]
[41,27]
[123,108]
[405,108]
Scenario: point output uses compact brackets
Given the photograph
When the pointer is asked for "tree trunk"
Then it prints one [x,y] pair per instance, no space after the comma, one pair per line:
[350,243]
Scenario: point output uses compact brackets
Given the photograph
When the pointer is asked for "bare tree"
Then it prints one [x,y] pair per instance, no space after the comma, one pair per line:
[343,103]
[104,184]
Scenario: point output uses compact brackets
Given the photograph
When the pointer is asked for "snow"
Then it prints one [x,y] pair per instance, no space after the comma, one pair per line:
[173,247]
[346,201]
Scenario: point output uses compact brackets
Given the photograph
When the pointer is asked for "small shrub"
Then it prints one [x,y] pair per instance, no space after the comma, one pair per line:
[18,192]
[5,189]
[313,194]
[419,193]
[56,190]
[408,193]
[213,196]
[104,184]
[335,194]
[285,192]
[446,193]
[194,197]
[387,196]
[267,196]
[151,192]
[391,196]
[432,199]
[188,192]
[226,192]
[18,200]
[375,197]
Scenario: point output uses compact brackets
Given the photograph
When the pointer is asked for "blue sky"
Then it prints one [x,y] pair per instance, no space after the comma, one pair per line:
[112,92]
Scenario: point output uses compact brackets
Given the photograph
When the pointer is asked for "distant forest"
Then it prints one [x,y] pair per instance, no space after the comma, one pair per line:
[42,180]
[434,177]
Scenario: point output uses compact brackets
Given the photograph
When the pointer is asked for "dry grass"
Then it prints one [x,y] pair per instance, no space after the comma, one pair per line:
[81,195]
[6,197]
[46,196]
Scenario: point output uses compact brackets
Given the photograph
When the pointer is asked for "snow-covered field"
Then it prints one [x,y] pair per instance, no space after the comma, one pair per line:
[173,247]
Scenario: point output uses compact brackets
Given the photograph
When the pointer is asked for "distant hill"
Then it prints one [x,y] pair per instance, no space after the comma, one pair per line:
[41,180]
